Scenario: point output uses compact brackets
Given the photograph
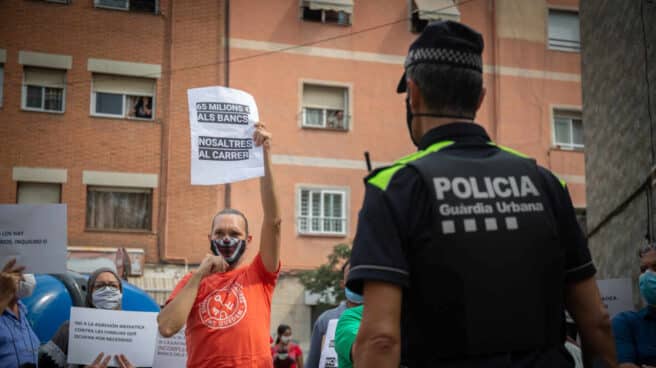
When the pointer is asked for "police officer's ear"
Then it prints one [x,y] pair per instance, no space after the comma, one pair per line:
[415,98]
[481,98]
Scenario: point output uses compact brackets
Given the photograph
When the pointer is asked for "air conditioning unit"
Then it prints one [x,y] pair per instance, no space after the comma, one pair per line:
[112,4]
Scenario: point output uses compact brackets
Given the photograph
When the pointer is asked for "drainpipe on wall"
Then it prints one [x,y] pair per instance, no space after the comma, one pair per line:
[227,202]
[495,75]
[165,137]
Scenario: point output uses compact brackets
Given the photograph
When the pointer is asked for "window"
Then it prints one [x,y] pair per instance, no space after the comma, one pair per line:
[44,89]
[325,107]
[327,11]
[423,12]
[322,211]
[113,208]
[34,193]
[123,97]
[146,6]
[564,33]
[568,129]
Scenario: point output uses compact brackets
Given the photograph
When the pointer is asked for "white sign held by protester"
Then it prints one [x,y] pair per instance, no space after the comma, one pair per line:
[616,294]
[94,331]
[328,354]
[171,352]
[222,122]
[34,234]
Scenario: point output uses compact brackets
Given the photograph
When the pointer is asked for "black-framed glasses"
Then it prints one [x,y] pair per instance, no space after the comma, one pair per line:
[100,285]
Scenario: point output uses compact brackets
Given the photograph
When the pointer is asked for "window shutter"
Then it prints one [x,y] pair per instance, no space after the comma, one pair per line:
[44,77]
[324,97]
[35,193]
[123,85]
[564,29]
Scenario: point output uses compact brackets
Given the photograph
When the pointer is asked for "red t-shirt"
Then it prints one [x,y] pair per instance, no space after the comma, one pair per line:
[293,350]
[228,325]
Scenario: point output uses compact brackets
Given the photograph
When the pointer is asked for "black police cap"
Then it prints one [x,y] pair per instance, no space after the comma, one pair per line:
[445,42]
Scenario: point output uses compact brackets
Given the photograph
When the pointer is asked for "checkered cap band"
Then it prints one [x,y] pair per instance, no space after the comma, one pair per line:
[447,56]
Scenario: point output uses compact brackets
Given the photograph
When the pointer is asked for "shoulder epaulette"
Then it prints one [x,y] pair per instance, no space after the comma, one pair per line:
[382,177]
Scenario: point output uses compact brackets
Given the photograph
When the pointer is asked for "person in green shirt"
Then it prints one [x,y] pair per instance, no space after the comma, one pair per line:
[347,330]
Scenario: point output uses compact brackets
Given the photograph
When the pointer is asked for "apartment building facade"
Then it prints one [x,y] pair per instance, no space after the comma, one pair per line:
[95,115]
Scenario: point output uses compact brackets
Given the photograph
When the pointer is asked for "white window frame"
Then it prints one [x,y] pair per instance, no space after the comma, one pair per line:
[322,191]
[43,98]
[304,4]
[105,115]
[571,115]
[124,115]
[324,123]
[575,11]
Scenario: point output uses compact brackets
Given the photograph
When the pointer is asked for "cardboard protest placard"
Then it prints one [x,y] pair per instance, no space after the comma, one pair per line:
[616,294]
[34,234]
[222,122]
[328,354]
[94,331]
[171,352]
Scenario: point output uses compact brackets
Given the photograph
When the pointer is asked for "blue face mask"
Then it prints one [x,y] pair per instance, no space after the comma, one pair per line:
[647,282]
[353,297]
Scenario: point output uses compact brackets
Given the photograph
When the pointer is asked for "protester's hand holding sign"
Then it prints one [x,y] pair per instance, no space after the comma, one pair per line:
[123,361]
[9,278]
[262,136]
[101,361]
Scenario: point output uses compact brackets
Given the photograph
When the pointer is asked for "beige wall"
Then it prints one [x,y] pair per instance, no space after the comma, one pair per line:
[289,308]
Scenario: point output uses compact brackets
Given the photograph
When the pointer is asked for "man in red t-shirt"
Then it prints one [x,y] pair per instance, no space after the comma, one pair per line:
[227,308]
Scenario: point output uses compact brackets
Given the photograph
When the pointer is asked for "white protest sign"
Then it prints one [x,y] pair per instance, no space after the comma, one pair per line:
[222,122]
[94,331]
[616,294]
[34,234]
[328,354]
[171,352]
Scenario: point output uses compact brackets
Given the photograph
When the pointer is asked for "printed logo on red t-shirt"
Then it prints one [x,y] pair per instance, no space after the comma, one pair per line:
[223,308]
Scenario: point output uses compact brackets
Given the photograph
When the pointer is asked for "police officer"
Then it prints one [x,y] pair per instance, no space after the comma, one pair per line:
[472,249]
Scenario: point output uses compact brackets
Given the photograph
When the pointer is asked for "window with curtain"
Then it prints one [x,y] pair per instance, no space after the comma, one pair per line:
[568,129]
[325,107]
[322,211]
[123,97]
[43,89]
[564,32]
[110,208]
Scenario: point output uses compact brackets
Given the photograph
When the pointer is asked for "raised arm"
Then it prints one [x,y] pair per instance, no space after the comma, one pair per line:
[270,236]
